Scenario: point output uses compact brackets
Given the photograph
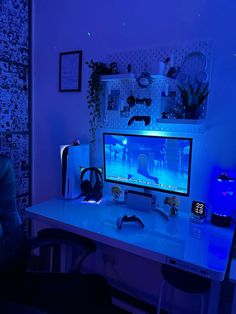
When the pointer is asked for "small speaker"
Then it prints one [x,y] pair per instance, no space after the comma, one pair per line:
[220,220]
[140,201]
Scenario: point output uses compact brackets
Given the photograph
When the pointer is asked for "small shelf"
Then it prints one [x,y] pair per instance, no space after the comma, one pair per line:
[159,76]
[180,121]
[181,125]
[124,76]
[128,76]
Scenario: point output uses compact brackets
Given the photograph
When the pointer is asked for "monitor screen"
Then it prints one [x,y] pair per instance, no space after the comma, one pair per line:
[152,162]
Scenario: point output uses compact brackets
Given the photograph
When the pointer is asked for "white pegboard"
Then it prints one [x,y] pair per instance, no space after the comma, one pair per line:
[187,56]
[115,119]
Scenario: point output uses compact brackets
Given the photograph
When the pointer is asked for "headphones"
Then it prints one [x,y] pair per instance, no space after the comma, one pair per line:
[86,186]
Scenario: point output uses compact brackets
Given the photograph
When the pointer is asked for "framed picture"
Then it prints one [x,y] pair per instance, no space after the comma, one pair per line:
[70,69]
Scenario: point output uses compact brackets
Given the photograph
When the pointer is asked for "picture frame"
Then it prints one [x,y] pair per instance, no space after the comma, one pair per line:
[113,100]
[70,71]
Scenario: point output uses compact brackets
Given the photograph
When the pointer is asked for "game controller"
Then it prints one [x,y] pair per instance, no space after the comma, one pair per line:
[146,119]
[129,219]
[132,101]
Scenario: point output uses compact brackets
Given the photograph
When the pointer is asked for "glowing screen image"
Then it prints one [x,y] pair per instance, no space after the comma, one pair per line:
[154,162]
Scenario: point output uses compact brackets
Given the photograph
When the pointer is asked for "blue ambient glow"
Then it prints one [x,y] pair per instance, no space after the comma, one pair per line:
[223,194]
[92,202]
[154,133]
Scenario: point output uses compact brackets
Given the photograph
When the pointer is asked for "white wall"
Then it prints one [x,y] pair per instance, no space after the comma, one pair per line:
[114,25]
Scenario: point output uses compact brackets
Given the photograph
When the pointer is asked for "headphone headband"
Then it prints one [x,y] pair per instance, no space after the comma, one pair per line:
[96,170]
[91,191]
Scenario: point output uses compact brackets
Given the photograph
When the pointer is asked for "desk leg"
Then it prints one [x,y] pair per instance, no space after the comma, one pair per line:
[214,298]
[234,301]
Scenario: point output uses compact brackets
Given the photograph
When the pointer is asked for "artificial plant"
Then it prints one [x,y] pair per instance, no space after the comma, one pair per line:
[94,95]
[192,98]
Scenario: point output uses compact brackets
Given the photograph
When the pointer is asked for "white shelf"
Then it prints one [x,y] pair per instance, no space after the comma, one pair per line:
[128,76]
[181,121]
[124,76]
[181,125]
[159,76]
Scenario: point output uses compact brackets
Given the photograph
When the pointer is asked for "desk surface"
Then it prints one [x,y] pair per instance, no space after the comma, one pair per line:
[202,249]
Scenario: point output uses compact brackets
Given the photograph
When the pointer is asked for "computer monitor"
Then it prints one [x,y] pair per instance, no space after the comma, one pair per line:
[151,162]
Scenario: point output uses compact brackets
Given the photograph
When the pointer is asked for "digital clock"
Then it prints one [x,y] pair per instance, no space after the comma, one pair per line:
[198,212]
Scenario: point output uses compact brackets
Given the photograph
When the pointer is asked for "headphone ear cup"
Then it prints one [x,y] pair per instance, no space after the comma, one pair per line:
[97,189]
[86,187]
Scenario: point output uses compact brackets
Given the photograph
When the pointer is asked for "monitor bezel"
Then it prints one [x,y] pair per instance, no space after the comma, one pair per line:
[147,187]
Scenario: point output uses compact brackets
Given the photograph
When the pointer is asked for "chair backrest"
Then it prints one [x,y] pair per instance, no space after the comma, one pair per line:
[12,237]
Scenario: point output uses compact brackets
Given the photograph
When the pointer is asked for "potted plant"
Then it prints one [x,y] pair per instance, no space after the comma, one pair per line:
[94,95]
[193,99]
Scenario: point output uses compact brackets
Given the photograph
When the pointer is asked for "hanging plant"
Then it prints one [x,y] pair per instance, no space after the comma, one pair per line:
[94,95]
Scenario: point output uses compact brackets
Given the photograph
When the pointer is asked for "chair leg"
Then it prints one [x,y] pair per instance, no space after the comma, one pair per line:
[202,303]
[164,282]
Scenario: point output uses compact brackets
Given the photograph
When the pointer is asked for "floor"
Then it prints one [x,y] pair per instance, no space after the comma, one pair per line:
[226,298]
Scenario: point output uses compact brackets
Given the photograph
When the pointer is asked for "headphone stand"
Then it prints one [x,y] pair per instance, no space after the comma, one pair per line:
[92,192]
[95,198]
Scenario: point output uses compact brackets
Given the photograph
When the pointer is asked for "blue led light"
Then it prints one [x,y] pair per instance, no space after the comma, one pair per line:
[124,141]
[92,202]
[223,194]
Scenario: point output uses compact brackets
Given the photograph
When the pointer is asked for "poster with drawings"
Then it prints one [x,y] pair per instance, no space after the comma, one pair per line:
[113,100]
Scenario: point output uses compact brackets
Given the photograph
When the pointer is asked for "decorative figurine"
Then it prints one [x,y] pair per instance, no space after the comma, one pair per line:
[173,211]
[113,67]
[116,192]
[173,72]
[76,142]
[173,202]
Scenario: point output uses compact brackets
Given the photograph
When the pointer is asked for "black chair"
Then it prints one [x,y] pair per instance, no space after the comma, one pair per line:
[184,281]
[42,292]
[16,308]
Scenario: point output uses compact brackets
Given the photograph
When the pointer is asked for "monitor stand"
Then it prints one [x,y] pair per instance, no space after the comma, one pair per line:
[156,208]
[147,191]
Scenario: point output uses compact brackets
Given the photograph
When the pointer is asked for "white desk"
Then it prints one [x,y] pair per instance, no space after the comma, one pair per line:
[201,249]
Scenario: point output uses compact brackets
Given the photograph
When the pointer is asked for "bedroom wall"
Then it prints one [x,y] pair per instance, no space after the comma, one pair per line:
[98,28]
